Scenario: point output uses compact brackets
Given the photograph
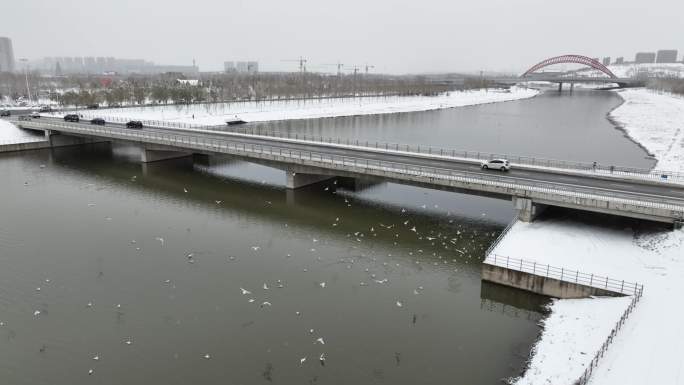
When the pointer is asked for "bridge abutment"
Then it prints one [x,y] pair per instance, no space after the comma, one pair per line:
[528,211]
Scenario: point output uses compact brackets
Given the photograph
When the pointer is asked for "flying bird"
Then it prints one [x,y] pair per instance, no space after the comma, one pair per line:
[244,291]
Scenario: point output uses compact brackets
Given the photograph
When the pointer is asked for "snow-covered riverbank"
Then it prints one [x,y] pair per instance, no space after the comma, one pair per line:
[648,350]
[217,114]
[656,121]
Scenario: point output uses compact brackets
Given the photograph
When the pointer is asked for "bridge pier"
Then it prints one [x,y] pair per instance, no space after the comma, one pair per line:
[154,154]
[528,211]
[296,179]
[560,87]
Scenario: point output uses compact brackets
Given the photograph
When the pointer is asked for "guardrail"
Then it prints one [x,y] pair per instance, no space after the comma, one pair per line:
[500,237]
[565,275]
[549,191]
[475,156]
[589,370]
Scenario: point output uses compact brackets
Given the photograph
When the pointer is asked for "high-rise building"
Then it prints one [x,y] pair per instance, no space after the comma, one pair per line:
[666,56]
[620,60]
[645,57]
[229,66]
[252,67]
[606,61]
[6,55]
[241,66]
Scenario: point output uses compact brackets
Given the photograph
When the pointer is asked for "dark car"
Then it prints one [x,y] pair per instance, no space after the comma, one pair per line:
[98,122]
[93,106]
[71,118]
[134,124]
[4,113]
[45,109]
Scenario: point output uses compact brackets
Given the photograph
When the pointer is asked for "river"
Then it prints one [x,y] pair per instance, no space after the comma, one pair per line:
[210,272]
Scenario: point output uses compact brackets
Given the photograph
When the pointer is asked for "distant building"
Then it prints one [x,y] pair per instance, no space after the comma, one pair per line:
[241,66]
[229,66]
[101,65]
[666,56]
[188,82]
[6,55]
[244,67]
[620,60]
[645,57]
[606,61]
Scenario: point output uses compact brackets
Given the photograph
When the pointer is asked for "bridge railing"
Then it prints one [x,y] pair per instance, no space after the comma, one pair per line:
[565,275]
[540,190]
[432,151]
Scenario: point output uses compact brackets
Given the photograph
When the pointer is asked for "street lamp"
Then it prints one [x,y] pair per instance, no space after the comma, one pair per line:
[26,67]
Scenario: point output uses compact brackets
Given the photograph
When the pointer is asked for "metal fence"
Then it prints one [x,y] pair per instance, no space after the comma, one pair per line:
[584,378]
[439,176]
[474,156]
[565,275]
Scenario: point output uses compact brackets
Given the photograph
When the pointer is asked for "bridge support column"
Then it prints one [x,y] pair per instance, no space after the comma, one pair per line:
[297,179]
[560,87]
[527,209]
[572,87]
[151,154]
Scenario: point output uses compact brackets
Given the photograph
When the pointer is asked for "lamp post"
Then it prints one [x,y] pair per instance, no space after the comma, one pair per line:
[26,66]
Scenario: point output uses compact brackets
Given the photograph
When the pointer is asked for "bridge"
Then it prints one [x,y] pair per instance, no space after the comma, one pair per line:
[531,185]
[571,78]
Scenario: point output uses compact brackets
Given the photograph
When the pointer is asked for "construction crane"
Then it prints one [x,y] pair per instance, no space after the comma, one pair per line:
[302,63]
[368,67]
[339,67]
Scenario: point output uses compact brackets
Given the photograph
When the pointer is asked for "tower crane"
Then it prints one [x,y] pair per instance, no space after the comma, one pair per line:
[339,67]
[302,63]
[368,67]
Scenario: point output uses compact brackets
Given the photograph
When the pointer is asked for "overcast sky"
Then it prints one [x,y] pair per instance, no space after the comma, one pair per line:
[394,35]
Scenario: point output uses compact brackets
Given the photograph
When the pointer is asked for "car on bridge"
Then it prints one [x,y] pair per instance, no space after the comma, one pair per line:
[136,124]
[35,115]
[45,109]
[496,164]
[71,118]
[98,122]
[4,113]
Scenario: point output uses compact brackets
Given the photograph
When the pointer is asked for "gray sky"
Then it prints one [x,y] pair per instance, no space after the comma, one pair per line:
[396,36]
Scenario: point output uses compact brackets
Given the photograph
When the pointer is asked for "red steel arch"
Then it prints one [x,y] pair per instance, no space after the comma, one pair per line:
[575,59]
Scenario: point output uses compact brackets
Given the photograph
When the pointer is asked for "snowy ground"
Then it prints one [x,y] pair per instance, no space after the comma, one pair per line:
[10,134]
[560,357]
[656,121]
[650,347]
[216,114]
[644,352]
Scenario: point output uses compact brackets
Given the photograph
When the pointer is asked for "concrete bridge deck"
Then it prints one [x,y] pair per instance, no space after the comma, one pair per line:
[308,161]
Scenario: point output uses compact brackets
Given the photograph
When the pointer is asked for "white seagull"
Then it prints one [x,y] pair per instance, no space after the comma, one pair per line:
[244,291]
[320,340]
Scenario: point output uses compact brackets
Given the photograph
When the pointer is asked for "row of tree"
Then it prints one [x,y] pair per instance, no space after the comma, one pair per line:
[172,88]
[674,85]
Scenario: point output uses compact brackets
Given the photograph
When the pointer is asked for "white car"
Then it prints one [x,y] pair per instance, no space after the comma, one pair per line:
[496,164]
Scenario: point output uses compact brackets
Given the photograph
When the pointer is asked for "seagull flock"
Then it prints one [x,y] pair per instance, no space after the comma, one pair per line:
[461,244]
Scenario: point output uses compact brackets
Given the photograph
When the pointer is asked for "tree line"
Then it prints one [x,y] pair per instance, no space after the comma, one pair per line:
[166,88]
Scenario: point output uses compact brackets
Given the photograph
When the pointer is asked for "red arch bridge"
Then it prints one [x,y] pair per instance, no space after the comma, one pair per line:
[605,76]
